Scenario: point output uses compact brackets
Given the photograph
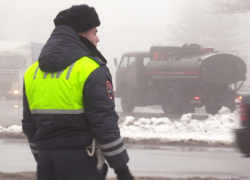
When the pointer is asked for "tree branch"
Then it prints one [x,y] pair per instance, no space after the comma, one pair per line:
[231,6]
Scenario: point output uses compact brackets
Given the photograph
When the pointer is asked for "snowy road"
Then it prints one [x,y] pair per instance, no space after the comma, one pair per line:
[165,161]
[11,112]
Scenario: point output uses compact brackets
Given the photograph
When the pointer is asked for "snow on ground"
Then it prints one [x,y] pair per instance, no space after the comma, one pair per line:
[13,131]
[216,130]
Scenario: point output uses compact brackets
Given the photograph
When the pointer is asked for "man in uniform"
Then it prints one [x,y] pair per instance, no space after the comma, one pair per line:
[68,103]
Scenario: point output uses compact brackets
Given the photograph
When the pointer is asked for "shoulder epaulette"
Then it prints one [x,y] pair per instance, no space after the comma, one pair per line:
[96,59]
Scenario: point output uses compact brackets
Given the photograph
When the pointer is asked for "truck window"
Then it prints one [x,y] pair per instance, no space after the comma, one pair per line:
[131,62]
[146,60]
[124,62]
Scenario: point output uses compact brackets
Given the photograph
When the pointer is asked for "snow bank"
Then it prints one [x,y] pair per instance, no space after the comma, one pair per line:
[13,131]
[216,130]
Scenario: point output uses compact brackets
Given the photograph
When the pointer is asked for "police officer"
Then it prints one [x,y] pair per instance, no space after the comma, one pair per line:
[68,101]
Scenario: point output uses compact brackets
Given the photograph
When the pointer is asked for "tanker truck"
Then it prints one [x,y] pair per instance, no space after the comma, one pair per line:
[15,58]
[179,79]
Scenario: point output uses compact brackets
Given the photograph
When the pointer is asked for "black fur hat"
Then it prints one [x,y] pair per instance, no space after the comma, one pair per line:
[81,18]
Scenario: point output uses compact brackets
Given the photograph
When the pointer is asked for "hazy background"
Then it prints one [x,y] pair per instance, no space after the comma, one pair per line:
[132,25]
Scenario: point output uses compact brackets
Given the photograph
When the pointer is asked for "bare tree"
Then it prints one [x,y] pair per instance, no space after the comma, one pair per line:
[196,25]
[231,6]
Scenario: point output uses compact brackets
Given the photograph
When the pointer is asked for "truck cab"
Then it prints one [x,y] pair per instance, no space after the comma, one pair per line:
[11,72]
[15,58]
[130,77]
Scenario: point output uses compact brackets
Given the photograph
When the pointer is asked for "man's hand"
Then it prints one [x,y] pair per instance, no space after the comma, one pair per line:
[123,173]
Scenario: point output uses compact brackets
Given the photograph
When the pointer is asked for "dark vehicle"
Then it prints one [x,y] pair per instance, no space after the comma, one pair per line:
[179,79]
[242,135]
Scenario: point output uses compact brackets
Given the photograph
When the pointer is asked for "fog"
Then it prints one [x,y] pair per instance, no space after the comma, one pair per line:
[137,25]
[132,26]
[125,25]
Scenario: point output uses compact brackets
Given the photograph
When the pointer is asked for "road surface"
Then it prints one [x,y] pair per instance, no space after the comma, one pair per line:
[11,112]
[149,161]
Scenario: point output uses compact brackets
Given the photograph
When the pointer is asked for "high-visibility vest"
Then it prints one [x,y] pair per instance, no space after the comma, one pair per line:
[58,92]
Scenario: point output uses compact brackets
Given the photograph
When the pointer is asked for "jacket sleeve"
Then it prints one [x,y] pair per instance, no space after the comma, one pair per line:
[28,125]
[100,111]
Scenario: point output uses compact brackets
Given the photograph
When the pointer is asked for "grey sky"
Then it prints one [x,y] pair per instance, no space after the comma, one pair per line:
[126,25]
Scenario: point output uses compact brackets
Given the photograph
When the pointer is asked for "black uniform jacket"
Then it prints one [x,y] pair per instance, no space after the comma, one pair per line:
[49,131]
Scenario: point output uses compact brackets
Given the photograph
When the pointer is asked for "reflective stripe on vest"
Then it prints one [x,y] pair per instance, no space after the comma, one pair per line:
[56,111]
[58,92]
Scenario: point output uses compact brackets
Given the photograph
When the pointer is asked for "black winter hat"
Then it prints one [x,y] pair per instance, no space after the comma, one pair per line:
[81,18]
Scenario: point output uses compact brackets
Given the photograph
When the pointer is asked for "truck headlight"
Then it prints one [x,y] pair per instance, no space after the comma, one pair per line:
[16,92]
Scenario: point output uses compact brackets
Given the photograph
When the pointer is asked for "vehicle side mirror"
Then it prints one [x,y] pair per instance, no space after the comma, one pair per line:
[115,62]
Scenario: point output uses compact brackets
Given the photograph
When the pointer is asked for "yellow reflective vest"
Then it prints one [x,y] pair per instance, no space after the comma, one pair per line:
[58,92]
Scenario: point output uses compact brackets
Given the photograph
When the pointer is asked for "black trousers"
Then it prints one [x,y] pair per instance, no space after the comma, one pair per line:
[68,164]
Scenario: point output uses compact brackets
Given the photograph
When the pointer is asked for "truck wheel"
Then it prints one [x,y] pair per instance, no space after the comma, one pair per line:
[127,100]
[171,102]
[213,108]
